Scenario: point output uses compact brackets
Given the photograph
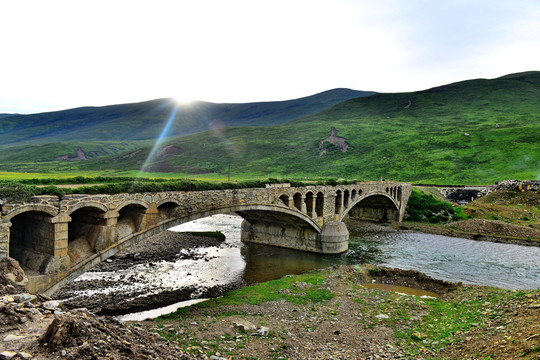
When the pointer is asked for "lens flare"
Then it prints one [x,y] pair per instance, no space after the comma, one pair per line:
[159,140]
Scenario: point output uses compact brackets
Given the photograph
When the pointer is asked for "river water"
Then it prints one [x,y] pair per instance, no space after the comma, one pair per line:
[453,259]
[506,266]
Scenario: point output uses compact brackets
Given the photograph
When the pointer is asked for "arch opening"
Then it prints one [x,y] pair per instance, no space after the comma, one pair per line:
[130,220]
[31,239]
[378,208]
[297,198]
[346,197]
[284,199]
[166,211]
[319,204]
[85,233]
[310,200]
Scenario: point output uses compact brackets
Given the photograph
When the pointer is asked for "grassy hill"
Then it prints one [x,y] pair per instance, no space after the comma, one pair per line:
[145,120]
[471,132]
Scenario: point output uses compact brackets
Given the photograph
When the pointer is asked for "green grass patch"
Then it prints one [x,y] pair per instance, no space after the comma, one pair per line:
[298,289]
[444,322]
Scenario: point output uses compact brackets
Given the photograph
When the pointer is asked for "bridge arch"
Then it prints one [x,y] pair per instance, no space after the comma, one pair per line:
[168,200]
[319,204]
[46,209]
[88,204]
[374,206]
[243,211]
[86,231]
[131,218]
[140,203]
[297,197]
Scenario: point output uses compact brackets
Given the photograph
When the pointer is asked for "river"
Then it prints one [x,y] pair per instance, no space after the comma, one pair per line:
[453,259]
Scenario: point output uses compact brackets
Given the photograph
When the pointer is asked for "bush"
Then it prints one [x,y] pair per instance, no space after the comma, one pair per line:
[424,207]
[24,189]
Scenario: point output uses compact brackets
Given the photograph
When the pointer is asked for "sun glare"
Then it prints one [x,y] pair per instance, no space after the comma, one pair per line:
[183,100]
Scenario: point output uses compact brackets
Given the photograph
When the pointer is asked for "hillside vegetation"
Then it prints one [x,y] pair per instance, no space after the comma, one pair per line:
[471,132]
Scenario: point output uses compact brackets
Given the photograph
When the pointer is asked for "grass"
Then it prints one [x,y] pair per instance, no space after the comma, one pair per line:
[516,207]
[445,321]
[298,289]
[421,327]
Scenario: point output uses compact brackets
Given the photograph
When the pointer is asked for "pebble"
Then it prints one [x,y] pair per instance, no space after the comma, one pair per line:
[263,331]
[12,337]
[51,305]
[6,355]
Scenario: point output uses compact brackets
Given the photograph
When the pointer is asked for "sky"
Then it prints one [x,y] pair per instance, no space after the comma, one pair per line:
[59,54]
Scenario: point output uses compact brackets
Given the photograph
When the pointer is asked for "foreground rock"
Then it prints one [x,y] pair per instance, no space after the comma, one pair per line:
[32,328]
[37,327]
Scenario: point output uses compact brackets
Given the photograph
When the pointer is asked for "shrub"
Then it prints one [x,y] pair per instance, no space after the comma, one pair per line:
[424,207]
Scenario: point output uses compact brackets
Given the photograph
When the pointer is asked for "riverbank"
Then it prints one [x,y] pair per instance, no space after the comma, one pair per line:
[323,314]
[506,215]
[331,313]
[478,229]
[134,280]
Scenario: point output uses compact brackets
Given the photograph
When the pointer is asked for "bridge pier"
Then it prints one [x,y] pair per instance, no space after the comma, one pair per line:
[4,238]
[333,238]
[104,233]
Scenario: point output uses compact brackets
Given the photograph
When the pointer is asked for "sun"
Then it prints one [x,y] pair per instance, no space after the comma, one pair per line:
[183,100]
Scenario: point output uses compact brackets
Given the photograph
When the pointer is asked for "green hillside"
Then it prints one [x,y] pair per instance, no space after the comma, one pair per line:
[471,132]
[66,151]
[145,120]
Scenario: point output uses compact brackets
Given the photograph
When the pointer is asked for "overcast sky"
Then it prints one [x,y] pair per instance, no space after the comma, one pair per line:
[64,54]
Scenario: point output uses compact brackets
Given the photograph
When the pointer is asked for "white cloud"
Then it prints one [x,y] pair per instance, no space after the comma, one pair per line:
[62,53]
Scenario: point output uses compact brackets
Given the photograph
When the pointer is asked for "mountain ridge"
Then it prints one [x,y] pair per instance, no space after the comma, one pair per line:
[144,120]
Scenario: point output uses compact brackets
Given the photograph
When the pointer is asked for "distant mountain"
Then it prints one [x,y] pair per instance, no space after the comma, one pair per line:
[146,120]
[470,132]
[7,115]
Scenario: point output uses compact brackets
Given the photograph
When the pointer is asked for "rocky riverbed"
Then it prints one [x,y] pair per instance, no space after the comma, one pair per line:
[327,314]
[166,247]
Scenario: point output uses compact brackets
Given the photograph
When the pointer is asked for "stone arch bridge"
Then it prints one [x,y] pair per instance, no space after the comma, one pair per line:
[57,239]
